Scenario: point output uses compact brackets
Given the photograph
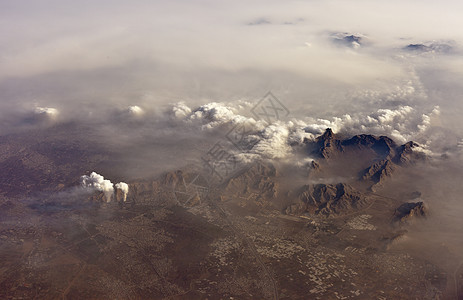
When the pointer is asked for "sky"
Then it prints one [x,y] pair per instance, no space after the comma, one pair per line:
[98,58]
[162,50]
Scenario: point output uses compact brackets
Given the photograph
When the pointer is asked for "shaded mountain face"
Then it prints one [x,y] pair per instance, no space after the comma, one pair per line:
[381,154]
[259,178]
[330,145]
[328,199]
[408,212]
[361,163]
[379,171]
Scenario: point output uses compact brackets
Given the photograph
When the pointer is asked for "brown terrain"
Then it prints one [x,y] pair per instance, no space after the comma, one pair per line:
[254,236]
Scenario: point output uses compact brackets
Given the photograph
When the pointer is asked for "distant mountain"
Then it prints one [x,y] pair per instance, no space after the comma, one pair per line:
[434,47]
[348,40]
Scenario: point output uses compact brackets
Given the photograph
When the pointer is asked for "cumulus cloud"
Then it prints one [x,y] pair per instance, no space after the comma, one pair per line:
[96,182]
[46,111]
[135,110]
[35,117]
[124,188]
[273,141]
[403,123]
[214,114]
[276,141]
[181,110]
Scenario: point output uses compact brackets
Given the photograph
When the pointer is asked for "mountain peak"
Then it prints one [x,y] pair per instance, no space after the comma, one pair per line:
[328,145]
[328,134]
[327,200]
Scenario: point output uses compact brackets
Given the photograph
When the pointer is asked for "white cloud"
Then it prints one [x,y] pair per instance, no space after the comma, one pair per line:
[181,110]
[215,114]
[47,111]
[124,188]
[135,110]
[275,141]
[97,182]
